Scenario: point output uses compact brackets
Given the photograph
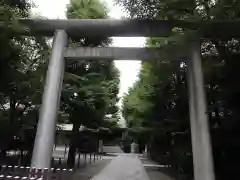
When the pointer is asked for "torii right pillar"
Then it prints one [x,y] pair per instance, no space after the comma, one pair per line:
[201,143]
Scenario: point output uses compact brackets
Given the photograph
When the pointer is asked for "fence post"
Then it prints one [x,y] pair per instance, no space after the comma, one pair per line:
[90,157]
[79,156]
[85,158]
[65,151]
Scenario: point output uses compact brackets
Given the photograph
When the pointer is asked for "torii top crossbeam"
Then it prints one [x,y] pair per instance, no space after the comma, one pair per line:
[147,28]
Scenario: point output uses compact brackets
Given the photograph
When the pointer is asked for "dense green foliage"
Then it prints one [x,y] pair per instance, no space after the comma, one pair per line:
[22,63]
[90,88]
[88,9]
[159,99]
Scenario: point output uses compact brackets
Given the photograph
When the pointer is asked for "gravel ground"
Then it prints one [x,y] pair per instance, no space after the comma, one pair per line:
[86,173]
[89,171]
[155,173]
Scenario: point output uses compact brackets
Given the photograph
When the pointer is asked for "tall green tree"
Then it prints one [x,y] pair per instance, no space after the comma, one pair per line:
[168,101]
[22,63]
[88,9]
[90,87]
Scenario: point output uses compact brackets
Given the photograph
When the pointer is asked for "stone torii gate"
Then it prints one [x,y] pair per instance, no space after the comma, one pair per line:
[61,29]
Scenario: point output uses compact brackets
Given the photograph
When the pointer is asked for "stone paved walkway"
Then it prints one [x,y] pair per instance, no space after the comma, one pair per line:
[86,173]
[123,167]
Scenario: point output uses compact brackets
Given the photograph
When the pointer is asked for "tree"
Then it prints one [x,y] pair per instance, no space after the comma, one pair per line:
[90,87]
[22,63]
[89,97]
[88,9]
[167,100]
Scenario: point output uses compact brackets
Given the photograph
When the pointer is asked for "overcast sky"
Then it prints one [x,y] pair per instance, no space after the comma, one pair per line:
[129,70]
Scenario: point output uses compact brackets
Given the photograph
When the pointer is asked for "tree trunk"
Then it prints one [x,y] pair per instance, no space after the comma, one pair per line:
[73,145]
[12,110]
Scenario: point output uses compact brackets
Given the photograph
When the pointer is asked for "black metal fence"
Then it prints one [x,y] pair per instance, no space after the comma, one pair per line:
[59,170]
[82,159]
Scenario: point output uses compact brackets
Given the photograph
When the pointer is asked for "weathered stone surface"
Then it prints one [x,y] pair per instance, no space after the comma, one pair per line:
[97,27]
[129,28]
[129,53]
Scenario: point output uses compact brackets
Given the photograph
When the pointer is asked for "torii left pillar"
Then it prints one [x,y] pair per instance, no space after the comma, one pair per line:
[44,141]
